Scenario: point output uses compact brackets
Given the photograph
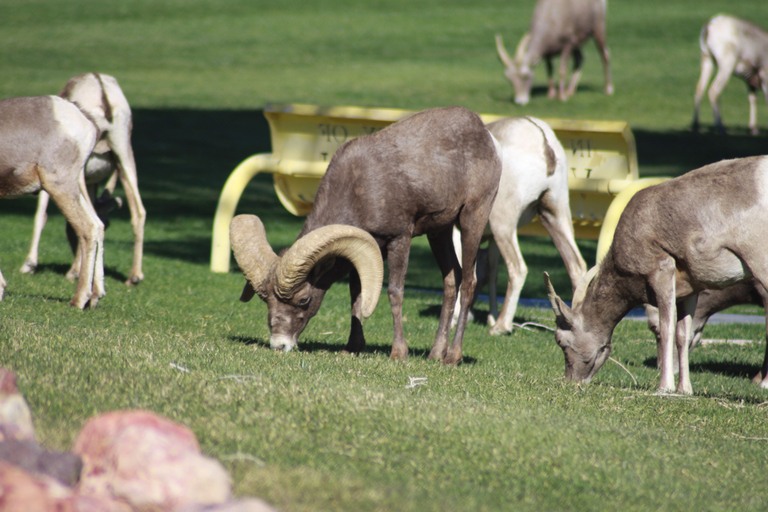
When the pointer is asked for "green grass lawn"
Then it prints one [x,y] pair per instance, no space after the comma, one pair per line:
[315,429]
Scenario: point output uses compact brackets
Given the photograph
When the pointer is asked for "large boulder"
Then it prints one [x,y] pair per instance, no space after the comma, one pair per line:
[148,462]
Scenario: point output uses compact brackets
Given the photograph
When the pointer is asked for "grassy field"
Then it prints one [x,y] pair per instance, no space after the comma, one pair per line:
[316,430]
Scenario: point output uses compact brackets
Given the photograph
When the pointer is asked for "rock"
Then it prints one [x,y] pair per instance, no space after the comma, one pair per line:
[27,455]
[151,463]
[15,417]
[244,505]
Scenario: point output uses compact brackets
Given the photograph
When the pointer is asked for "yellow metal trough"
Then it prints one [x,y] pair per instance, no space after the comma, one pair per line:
[602,162]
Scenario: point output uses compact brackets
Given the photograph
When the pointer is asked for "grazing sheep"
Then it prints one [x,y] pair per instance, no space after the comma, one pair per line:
[101,98]
[534,181]
[672,241]
[44,144]
[418,176]
[739,48]
[558,27]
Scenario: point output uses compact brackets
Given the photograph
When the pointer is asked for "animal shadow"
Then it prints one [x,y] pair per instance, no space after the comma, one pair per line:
[311,346]
[735,370]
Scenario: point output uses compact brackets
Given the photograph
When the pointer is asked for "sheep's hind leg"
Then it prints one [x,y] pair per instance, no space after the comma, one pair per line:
[762,376]
[445,254]
[30,262]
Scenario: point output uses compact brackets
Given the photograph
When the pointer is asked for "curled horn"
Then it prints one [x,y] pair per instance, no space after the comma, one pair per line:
[503,55]
[337,240]
[252,251]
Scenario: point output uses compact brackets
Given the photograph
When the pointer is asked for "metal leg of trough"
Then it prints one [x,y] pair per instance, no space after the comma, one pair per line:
[614,212]
[230,196]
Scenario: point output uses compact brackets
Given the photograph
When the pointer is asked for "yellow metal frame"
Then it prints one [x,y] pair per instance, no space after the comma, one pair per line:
[602,162]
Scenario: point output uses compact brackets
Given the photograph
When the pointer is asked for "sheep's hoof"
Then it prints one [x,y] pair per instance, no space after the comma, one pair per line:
[28,267]
[134,280]
[498,330]
[398,355]
[453,358]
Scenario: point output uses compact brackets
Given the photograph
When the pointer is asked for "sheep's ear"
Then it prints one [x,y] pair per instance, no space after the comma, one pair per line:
[248,292]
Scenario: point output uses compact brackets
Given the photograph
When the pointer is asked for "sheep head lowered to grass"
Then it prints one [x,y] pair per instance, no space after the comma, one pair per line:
[418,176]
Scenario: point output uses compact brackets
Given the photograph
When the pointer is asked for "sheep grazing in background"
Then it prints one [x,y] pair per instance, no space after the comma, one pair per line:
[739,48]
[418,176]
[558,28]
[534,181]
[102,100]
[672,241]
[44,144]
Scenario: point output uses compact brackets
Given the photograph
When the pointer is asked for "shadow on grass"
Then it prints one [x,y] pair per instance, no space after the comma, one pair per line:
[322,346]
[61,269]
[735,370]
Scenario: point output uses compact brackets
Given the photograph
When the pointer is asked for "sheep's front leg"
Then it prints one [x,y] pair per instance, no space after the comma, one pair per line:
[577,59]
[398,253]
[2,286]
[356,342]
[551,86]
[663,284]
[517,272]
[683,337]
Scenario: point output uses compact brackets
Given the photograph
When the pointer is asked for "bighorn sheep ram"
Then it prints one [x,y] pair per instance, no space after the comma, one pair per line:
[558,27]
[44,144]
[739,48]
[102,100]
[418,176]
[534,181]
[672,241]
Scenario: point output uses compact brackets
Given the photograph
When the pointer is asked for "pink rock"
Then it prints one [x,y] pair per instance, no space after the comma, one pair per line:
[153,464]
[15,417]
[22,492]
[244,505]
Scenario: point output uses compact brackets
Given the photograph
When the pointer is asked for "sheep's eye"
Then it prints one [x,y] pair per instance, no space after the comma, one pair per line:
[305,301]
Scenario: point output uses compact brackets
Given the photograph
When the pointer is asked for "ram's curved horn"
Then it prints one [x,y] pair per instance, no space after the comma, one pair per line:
[581,289]
[340,241]
[252,251]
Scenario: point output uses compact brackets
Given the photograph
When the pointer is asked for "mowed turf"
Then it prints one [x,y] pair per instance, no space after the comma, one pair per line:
[315,429]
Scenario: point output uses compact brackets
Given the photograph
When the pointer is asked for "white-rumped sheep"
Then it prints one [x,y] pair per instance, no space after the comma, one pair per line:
[44,144]
[738,48]
[418,176]
[101,98]
[672,241]
[558,28]
[534,181]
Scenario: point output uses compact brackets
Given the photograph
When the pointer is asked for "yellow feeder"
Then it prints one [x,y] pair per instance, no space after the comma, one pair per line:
[602,163]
